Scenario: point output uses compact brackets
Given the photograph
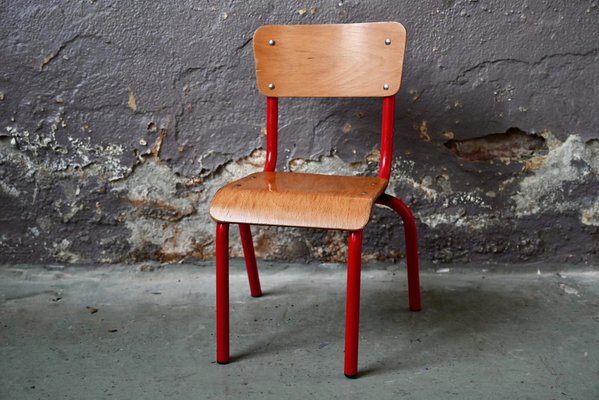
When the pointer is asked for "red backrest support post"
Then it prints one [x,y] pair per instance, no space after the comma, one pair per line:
[272,125]
[387,132]
[387,137]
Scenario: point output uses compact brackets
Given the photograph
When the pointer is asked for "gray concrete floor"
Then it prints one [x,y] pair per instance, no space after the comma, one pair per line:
[126,332]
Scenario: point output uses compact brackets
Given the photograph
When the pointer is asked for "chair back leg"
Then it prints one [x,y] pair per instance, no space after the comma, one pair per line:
[222,293]
[412,261]
[411,247]
[352,308]
[250,259]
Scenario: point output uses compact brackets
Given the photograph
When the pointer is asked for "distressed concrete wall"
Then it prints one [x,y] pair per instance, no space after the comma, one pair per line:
[119,120]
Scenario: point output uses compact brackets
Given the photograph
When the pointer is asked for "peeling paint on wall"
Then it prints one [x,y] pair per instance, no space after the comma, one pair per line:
[547,189]
[41,150]
[513,144]
[590,215]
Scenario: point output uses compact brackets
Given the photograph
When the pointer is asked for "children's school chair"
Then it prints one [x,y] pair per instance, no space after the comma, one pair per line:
[339,60]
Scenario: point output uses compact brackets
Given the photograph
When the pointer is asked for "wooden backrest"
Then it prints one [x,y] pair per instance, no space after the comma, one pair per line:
[337,60]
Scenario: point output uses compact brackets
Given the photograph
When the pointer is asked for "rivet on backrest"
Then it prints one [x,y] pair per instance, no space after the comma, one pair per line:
[387,41]
[271,86]
[271,42]
[386,86]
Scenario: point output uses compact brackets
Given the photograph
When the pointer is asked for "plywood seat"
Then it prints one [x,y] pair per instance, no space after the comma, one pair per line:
[297,199]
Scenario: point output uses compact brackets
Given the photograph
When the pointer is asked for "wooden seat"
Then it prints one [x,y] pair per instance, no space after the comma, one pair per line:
[296,199]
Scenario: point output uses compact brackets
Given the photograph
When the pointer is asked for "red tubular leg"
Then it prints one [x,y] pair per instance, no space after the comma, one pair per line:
[222,293]
[250,259]
[411,247]
[352,309]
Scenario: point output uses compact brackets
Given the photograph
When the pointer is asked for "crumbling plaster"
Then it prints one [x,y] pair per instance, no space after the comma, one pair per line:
[119,121]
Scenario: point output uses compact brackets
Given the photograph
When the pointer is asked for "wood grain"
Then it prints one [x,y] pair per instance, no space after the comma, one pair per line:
[300,200]
[336,60]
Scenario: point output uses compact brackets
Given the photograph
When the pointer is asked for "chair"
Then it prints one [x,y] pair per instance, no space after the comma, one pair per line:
[341,60]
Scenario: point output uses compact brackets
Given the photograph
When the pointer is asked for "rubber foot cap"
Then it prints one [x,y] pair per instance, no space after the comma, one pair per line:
[222,362]
[354,376]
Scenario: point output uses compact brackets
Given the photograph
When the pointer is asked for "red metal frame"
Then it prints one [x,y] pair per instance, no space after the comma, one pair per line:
[250,259]
[354,259]
[222,293]
[352,305]
[411,237]
[387,130]
[272,126]
[388,124]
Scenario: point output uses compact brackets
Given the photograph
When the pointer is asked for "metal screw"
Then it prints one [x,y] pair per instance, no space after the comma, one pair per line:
[386,86]
[387,41]
[271,42]
[271,86]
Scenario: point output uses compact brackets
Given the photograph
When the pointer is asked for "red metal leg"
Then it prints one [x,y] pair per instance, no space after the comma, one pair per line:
[250,259]
[352,309]
[411,247]
[222,293]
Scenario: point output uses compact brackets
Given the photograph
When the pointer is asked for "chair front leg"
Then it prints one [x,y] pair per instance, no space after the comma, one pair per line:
[250,259]
[222,293]
[411,247]
[352,309]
